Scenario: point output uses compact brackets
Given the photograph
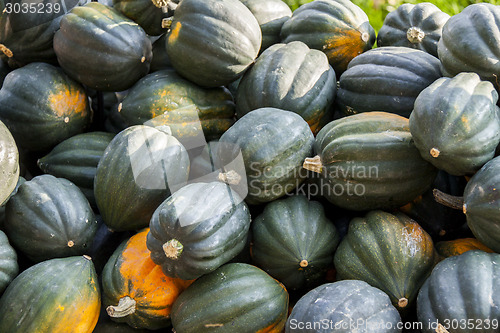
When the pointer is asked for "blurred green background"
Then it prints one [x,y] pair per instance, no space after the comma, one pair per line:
[378,9]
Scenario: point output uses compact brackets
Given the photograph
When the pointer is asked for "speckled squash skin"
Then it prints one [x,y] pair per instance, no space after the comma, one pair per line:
[8,262]
[131,277]
[57,295]
[344,305]
[459,246]
[42,106]
[9,163]
[248,300]
[390,252]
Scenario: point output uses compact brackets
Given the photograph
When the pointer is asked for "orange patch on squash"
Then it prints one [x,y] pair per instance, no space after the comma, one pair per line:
[174,32]
[343,46]
[459,246]
[68,102]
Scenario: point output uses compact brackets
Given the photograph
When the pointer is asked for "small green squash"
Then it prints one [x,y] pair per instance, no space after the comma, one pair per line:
[247,300]
[9,163]
[455,123]
[337,27]
[101,48]
[462,294]
[369,161]
[42,106]
[57,295]
[390,252]
[416,26]
[290,77]
[197,229]
[212,43]
[294,242]
[8,262]
[386,79]
[49,217]
[147,13]
[342,306]
[140,168]
[76,159]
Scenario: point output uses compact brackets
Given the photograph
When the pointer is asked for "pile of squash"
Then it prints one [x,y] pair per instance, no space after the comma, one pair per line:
[230,166]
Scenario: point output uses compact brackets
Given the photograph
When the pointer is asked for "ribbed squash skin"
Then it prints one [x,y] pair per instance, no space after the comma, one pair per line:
[111,60]
[76,159]
[212,43]
[130,272]
[273,144]
[42,106]
[481,204]
[337,27]
[248,300]
[139,169]
[290,77]
[9,163]
[463,294]
[370,162]
[390,252]
[29,36]
[294,242]
[344,305]
[180,104]
[459,246]
[271,14]
[455,123]
[58,295]
[469,42]
[416,26]
[386,79]
[49,217]
[8,262]
[143,12]
[211,223]
[2,208]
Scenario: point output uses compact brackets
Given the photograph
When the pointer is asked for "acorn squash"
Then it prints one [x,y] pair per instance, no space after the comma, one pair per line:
[8,262]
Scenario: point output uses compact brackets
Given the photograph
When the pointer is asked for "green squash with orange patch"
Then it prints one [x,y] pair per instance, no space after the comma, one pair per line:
[459,246]
[42,106]
[135,290]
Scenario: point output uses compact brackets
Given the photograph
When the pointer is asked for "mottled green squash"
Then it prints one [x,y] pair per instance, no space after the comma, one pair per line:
[9,163]
[8,262]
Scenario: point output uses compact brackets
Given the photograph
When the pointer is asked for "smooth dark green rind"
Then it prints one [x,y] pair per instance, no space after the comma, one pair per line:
[344,305]
[8,262]
[140,168]
[290,231]
[247,300]
[48,218]
[211,222]
[459,118]
[462,294]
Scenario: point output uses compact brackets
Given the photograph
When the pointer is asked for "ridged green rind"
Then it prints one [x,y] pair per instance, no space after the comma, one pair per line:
[8,262]
[247,300]
[462,294]
[459,118]
[290,231]
[344,307]
[211,222]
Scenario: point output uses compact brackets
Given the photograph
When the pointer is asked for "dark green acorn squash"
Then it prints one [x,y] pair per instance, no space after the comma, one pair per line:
[42,106]
[390,252]
[273,144]
[294,242]
[197,229]
[344,307]
[76,159]
[49,217]
[9,163]
[8,262]
[462,294]
[271,14]
[455,123]
[101,48]
[386,79]
[140,168]
[247,300]
[337,27]
[469,42]
[27,32]
[165,98]
[147,13]
[290,77]
[416,26]
[160,57]
[57,296]
[212,43]
[368,161]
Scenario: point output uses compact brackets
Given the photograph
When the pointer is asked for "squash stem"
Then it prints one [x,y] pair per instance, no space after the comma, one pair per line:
[6,51]
[167,22]
[449,200]
[440,329]
[173,249]
[402,302]
[125,307]
[313,164]
[415,35]
[230,177]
